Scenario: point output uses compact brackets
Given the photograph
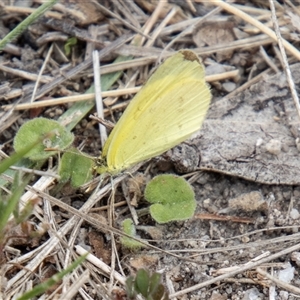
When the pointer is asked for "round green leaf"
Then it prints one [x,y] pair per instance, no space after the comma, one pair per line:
[76,167]
[56,136]
[172,198]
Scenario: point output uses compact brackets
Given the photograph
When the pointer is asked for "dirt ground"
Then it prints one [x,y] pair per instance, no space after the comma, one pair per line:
[243,240]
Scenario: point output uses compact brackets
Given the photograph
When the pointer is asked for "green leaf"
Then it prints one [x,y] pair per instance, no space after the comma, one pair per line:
[130,288]
[154,282]
[16,157]
[160,293]
[76,167]
[129,228]
[172,198]
[10,205]
[37,128]
[147,285]
[142,282]
[68,45]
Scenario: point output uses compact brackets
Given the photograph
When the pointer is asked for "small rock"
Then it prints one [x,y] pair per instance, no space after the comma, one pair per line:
[253,294]
[274,147]
[229,86]
[294,213]
[259,142]
[286,275]
[245,239]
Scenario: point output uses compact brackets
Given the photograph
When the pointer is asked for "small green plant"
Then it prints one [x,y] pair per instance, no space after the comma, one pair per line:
[76,167]
[9,206]
[129,228]
[37,128]
[146,284]
[10,214]
[69,44]
[172,198]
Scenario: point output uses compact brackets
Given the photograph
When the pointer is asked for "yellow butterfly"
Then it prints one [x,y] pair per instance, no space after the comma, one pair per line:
[168,109]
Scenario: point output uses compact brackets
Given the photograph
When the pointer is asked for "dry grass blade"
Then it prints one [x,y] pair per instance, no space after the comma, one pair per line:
[284,58]
[256,23]
[115,93]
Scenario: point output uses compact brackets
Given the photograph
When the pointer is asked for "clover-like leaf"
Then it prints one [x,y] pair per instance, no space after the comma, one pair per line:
[142,282]
[130,288]
[146,284]
[56,136]
[76,167]
[172,198]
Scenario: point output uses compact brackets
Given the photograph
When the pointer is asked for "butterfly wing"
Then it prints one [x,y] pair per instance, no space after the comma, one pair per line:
[166,111]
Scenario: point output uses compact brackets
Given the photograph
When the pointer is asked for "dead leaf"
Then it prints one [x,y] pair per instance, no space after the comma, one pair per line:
[101,250]
[215,33]
[235,136]
[247,202]
[144,261]
[83,12]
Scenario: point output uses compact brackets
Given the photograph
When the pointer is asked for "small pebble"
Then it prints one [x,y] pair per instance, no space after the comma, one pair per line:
[229,86]
[274,147]
[245,239]
[252,294]
[259,142]
[294,214]
[286,275]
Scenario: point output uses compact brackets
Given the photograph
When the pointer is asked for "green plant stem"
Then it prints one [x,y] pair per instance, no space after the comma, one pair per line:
[24,25]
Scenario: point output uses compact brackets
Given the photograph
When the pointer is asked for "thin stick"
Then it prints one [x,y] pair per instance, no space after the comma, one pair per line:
[100,264]
[237,271]
[116,93]
[279,283]
[284,59]
[162,24]
[98,96]
[265,56]
[24,24]
[26,75]
[191,27]
[29,10]
[255,23]
[41,72]
[139,40]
